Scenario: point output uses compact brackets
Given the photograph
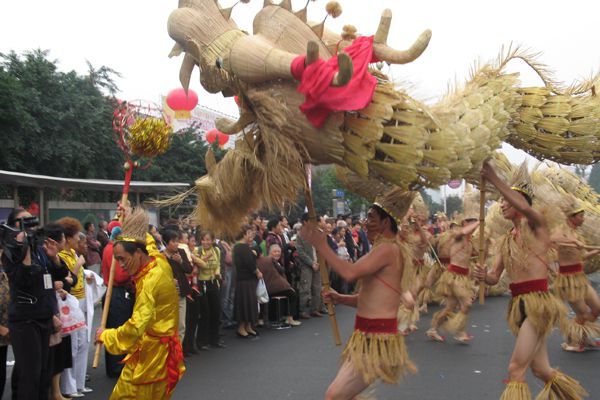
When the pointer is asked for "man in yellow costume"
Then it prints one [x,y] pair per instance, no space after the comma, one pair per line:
[154,361]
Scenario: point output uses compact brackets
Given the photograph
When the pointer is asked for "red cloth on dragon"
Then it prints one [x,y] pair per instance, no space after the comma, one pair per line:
[320,98]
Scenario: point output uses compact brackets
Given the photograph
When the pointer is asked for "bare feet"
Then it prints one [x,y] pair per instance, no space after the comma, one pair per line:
[435,336]
[463,338]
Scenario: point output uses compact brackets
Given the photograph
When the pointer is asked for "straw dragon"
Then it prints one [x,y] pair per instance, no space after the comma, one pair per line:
[395,139]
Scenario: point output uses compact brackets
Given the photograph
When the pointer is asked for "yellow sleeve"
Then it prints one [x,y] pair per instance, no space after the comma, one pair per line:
[125,338]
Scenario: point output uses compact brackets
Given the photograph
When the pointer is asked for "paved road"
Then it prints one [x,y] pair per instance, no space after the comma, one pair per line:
[298,363]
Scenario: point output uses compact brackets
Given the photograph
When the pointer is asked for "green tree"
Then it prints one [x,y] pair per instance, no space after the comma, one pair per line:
[453,203]
[594,179]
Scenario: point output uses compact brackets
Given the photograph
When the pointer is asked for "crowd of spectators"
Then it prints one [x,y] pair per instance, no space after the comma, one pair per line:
[50,282]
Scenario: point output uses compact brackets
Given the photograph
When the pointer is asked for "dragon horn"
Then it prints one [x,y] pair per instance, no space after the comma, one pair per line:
[392,56]
[185,72]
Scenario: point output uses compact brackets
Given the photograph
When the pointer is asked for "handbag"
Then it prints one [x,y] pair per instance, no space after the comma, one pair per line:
[71,316]
[261,292]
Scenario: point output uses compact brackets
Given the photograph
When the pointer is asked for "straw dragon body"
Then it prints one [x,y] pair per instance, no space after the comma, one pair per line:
[396,139]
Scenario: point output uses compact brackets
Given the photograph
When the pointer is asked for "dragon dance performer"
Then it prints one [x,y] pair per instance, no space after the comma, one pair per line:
[443,245]
[533,311]
[455,285]
[572,284]
[154,361]
[376,349]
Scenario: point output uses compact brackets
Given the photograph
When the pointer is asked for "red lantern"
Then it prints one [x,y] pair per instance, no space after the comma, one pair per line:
[223,138]
[211,135]
[214,135]
[182,103]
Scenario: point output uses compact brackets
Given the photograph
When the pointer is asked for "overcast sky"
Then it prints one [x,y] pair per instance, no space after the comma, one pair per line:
[130,36]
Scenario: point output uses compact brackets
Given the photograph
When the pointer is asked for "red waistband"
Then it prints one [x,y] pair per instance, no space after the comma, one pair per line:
[458,270]
[445,260]
[380,325]
[537,285]
[570,269]
[420,262]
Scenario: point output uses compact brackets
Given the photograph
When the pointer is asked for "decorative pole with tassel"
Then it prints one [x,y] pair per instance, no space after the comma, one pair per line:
[138,132]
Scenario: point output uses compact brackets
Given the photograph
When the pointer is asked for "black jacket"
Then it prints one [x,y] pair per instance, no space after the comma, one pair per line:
[29,300]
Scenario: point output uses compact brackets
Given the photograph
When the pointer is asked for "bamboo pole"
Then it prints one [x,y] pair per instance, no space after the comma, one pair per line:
[482,237]
[322,267]
[585,247]
[111,275]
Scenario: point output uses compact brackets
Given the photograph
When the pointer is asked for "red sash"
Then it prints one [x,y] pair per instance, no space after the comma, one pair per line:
[570,269]
[536,285]
[173,359]
[381,325]
[458,270]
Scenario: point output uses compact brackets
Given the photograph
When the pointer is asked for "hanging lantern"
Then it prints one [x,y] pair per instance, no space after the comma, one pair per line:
[223,138]
[182,103]
[211,135]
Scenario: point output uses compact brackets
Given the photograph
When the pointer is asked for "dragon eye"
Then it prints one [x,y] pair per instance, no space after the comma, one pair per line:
[219,63]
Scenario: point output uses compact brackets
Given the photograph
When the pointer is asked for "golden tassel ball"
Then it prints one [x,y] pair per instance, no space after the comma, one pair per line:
[149,137]
[334,9]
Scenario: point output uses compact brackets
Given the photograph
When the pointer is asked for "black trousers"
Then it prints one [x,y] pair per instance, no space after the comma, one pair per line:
[119,311]
[192,313]
[30,341]
[3,352]
[210,314]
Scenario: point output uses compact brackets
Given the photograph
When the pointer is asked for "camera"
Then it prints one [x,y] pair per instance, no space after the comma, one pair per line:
[14,250]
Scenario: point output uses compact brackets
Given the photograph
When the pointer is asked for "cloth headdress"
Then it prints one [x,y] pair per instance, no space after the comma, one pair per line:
[135,227]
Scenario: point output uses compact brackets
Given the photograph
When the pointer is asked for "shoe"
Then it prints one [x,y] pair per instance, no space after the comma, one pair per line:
[246,336]
[218,346]
[75,395]
[292,322]
[316,314]
[304,315]
[86,390]
[260,323]
[204,348]
[255,333]
[436,337]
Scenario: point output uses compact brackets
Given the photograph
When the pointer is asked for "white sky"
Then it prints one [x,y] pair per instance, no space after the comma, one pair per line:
[130,36]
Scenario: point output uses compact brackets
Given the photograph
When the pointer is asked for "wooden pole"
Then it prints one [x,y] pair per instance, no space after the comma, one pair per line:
[482,237]
[111,275]
[322,268]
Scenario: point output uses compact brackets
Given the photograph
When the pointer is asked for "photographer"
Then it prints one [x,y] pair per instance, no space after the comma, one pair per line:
[32,304]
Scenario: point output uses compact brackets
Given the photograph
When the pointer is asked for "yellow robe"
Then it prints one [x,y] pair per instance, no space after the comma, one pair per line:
[149,337]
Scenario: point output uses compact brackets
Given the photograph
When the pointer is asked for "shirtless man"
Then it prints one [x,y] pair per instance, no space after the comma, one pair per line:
[532,311]
[455,285]
[419,239]
[443,245]
[572,284]
[376,328]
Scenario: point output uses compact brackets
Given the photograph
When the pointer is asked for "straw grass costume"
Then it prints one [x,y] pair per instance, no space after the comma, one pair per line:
[154,361]
[571,283]
[532,301]
[376,348]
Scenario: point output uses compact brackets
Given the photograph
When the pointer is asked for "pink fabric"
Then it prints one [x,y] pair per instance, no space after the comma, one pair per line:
[321,99]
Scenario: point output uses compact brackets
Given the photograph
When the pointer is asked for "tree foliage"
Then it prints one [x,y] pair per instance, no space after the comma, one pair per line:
[60,124]
[594,179]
